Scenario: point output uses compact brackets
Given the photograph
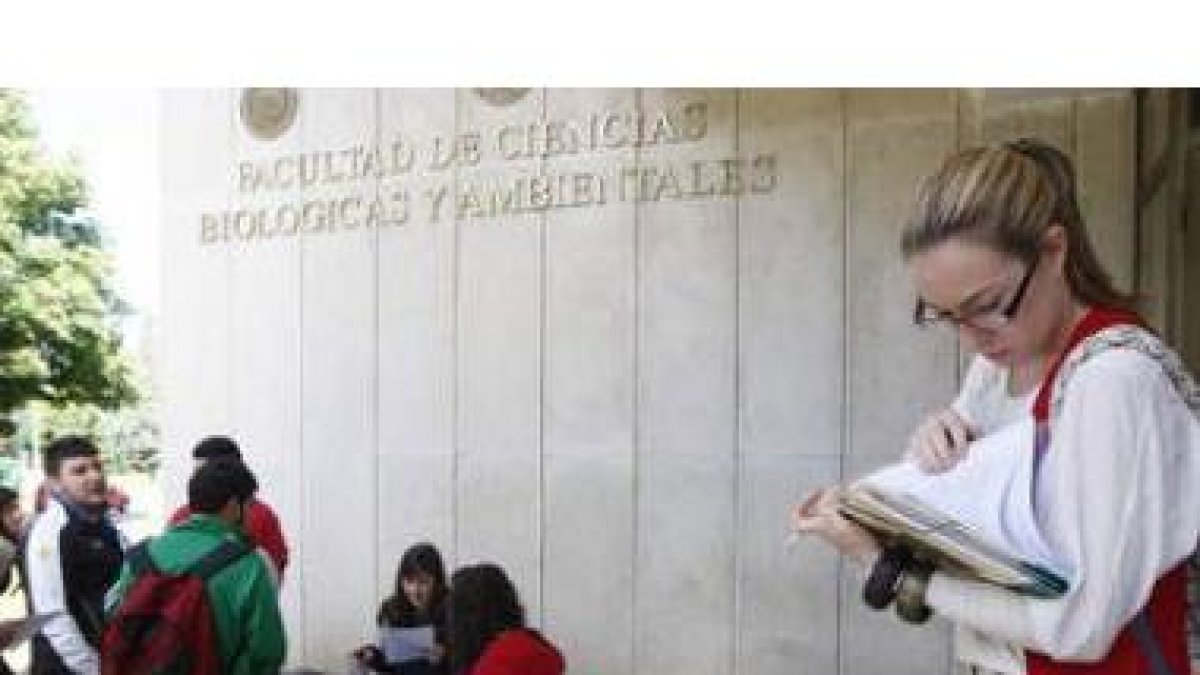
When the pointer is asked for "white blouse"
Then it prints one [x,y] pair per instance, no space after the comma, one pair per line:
[1117,497]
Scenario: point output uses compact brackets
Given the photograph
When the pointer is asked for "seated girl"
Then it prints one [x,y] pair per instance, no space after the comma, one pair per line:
[417,602]
[487,628]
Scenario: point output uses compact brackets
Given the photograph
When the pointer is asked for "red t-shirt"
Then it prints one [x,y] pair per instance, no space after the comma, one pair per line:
[519,652]
[261,525]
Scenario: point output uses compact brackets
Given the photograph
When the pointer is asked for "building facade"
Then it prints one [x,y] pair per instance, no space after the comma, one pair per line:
[604,338]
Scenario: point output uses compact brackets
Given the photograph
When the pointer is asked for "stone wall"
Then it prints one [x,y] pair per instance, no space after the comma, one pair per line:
[602,337]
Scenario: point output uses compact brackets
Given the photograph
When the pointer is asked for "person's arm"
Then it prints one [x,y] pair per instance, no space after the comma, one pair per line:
[43,565]
[267,533]
[264,644]
[272,570]
[1118,504]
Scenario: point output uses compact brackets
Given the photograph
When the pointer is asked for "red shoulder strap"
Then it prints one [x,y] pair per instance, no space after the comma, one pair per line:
[1096,320]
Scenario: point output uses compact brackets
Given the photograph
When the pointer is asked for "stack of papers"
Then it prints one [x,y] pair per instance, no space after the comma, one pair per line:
[975,520]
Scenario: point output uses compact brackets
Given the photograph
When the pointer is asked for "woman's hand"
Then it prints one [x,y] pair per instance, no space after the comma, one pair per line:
[369,656]
[437,653]
[818,515]
[940,442]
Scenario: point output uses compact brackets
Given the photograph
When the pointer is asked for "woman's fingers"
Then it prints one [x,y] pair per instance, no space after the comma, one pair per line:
[940,442]
[818,514]
[926,447]
[807,517]
[956,431]
[807,508]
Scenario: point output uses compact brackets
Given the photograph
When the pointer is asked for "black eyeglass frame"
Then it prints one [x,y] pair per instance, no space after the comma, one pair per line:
[920,318]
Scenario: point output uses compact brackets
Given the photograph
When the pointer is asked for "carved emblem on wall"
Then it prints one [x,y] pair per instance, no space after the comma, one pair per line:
[501,96]
[268,112]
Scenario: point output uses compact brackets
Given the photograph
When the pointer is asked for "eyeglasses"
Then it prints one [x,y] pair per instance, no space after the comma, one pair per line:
[989,317]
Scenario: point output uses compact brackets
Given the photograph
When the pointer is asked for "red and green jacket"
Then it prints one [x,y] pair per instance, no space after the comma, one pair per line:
[242,596]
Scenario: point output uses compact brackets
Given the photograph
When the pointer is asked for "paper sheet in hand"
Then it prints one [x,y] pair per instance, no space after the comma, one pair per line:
[405,644]
[977,518]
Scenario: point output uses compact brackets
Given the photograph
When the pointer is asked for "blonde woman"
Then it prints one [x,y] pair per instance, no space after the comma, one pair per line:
[997,250]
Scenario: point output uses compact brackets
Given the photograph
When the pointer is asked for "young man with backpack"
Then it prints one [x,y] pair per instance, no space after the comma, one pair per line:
[259,520]
[198,599]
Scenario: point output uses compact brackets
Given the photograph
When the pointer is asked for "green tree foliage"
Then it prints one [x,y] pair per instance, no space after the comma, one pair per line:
[59,336]
[128,438]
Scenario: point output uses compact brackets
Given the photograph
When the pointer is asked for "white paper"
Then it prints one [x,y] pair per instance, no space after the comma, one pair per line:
[406,644]
[991,490]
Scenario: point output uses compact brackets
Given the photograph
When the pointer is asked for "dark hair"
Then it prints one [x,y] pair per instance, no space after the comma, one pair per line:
[397,611]
[216,446]
[8,499]
[1006,197]
[215,482]
[483,604]
[64,448]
